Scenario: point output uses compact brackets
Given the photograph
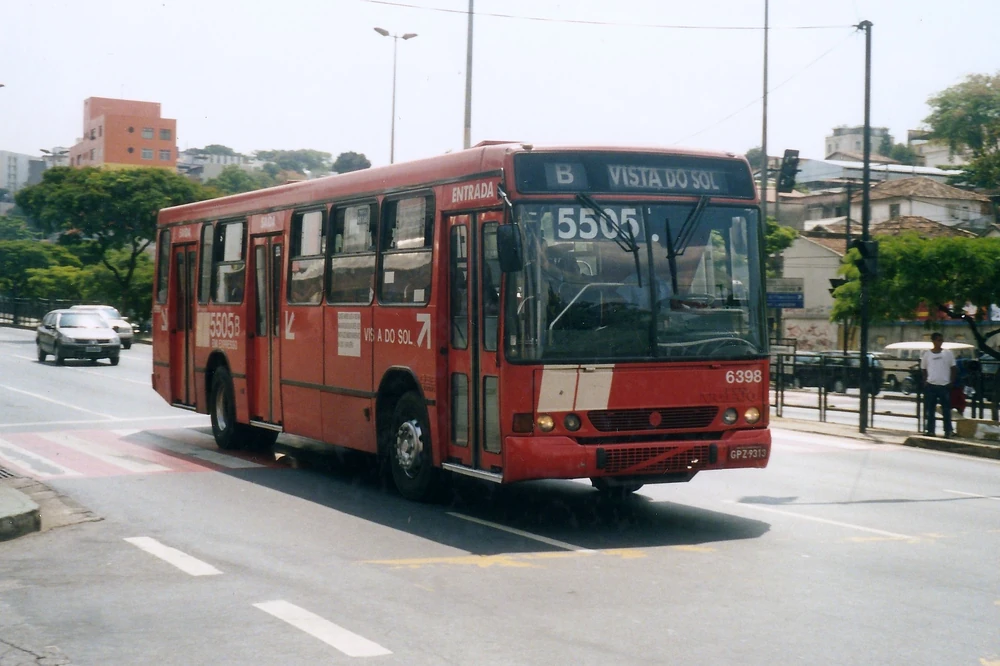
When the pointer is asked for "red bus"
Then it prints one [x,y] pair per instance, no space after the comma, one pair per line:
[506,312]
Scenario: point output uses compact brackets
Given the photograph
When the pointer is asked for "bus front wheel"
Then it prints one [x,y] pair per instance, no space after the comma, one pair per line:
[410,456]
[223,409]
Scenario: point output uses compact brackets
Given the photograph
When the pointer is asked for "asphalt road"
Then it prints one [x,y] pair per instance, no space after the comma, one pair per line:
[841,552]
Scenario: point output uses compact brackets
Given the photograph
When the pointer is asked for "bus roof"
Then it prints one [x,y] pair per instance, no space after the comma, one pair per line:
[484,159]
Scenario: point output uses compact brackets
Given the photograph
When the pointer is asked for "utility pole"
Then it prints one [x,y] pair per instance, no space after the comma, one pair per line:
[467,141]
[865,219]
[763,140]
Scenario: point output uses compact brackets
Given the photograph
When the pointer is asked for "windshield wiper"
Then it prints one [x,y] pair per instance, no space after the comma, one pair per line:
[623,239]
[675,248]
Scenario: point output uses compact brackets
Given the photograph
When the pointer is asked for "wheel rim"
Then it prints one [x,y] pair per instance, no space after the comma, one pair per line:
[409,447]
[220,411]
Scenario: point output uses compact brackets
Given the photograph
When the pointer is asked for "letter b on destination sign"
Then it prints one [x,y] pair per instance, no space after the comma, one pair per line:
[565,176]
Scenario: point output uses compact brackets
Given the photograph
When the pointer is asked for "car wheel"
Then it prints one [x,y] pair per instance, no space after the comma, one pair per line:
[839,387]
[41,353]
[127,345]
[222,406]
[57,352]
[410,454]
[893,384]
[93,361]
[114,360]
[797,382]
[614,490]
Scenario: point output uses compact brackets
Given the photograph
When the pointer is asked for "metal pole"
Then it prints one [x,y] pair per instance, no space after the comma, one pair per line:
[763,140]
[392,132]
[865,218]
[467,140]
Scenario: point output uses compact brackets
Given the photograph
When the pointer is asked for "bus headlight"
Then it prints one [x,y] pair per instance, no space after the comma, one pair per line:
[545,423]
[752,415]
[729,416]
[572,422]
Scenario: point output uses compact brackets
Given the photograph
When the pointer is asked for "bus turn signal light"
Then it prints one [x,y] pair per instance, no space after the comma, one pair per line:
[523,422]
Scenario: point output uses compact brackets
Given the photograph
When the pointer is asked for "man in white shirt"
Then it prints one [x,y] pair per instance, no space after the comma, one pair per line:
[939,372]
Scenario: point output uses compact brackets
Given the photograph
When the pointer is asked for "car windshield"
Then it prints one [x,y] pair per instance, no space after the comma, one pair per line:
[584,295]
[82,320]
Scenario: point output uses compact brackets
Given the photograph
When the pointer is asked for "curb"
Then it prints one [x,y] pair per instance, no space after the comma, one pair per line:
[963,446]
[19,515]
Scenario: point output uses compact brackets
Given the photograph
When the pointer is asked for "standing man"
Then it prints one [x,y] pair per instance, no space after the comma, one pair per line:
[939,373]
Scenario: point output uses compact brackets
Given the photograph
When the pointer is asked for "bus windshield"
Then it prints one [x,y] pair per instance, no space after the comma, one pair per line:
[685,284]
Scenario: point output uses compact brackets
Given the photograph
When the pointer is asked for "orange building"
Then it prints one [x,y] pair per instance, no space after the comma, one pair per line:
[125,133]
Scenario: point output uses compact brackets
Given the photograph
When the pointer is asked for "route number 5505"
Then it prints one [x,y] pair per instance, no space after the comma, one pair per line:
[743,377]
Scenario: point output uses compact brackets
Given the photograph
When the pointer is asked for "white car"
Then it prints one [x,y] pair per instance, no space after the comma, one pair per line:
[121,324]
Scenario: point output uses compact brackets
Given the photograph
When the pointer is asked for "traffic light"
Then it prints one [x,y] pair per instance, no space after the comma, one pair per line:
[789,167]
[868,263]
[836,282]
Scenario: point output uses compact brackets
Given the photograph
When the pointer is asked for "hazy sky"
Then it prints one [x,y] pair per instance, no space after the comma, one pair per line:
[313,73]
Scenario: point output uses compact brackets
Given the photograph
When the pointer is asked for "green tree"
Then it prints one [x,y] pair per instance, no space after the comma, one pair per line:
[967,115]
[350,161]
[56,282]
[233,180]
[776,239]
[904,154]
[756,158]
[19,257]
[212,149]
[112,209]
[302,161]
[13,228]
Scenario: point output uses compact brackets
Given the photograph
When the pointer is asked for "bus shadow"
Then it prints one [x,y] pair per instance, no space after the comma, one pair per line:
[565,514]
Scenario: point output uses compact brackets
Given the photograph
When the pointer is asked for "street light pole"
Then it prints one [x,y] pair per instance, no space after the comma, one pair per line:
[865,218]
[395,44]
[467,139]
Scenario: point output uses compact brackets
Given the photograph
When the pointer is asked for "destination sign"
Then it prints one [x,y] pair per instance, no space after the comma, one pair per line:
[633,173]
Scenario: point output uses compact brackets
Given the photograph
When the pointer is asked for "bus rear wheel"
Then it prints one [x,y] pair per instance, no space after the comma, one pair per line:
[411,459]
[223,410]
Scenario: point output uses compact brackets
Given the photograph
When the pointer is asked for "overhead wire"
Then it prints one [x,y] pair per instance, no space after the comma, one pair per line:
[621,24]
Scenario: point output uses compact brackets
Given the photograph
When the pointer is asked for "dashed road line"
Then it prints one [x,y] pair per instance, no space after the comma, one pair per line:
[183,561]
[333,635]
[826,521]
[32,463]
[59,402]
[94,372]
[977,495]
[522,533]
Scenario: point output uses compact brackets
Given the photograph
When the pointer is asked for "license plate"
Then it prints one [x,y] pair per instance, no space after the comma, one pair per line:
[748,453]
[93,349]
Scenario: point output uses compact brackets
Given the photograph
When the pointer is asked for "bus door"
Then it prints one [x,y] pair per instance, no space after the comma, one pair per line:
[264,368]
[182,316]
[473,370]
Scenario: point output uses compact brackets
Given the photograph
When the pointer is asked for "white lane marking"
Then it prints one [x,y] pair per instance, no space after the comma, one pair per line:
[522,533]
[58,402]
[195,451]
[182,561]
[103,453]
[93,372]
[959,492]
[123,419]
[333,635]
[24,459]
[826,521]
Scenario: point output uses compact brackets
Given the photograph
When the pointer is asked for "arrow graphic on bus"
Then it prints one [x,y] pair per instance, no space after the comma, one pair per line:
[425,330]
[289,320]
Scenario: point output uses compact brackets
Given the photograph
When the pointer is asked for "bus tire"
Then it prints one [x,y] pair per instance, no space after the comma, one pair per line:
[222,407]
[614,490]
[411,459]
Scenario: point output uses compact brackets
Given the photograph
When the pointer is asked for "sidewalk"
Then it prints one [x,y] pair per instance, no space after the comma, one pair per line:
[19,515]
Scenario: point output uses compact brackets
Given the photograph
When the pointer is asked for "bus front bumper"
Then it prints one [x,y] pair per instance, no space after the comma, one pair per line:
[560,457]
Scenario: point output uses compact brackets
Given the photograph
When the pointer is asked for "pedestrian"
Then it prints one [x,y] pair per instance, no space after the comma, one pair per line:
[939,373]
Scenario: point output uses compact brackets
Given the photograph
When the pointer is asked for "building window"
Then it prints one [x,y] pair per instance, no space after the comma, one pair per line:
[147,153]
[93,134]
[100,130]
[857,145]
[91,154]
[165,134]
[165,155]
[893,211]
[147,132]
[953,211]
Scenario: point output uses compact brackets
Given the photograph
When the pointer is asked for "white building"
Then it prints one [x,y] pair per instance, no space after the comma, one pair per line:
[926,198]
[852,139]
[15,168]
[205,167]
[934,152]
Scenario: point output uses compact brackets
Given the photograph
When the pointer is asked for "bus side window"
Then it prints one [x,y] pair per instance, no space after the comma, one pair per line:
[162,266]
[229,262]
[352,256]
[407,243]
[205,273]
[308,247]
[490,266]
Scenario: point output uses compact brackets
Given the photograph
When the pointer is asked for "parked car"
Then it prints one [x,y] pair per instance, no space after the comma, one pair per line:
[836,371]
[901,358]
[76,334]
[118,322]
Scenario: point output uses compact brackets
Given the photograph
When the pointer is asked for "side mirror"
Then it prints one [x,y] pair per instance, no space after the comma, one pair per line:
[509,248]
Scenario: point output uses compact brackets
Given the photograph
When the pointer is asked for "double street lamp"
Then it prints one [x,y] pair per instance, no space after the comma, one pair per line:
[395,43]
